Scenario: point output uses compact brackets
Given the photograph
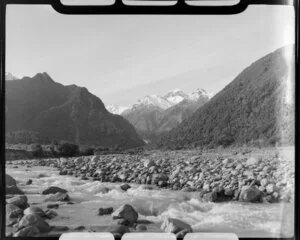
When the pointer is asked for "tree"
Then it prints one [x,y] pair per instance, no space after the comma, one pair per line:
[87,152]
[68,150]
[37,150]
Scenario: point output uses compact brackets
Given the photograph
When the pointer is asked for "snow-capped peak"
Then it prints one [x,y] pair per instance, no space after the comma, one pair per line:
[170,99]
[116,109]
[154,100]
[199,93]
[176,96]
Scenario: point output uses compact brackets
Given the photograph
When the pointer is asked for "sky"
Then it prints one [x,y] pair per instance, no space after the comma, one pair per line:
[123,58]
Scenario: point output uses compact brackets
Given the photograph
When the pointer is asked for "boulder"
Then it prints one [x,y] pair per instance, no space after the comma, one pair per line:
[29,181]
[250,194]
[20,201]
[173,225]
[148,162]
[14,190]
[125,187]
[10,181]
[34,221]
[63,197]
[12,211]
[34,210]
[264,182]
[30,231]
[217,195]
[270,188]
[53,190]
[162,184]
[104,190]
[229,192]
[105,211]
[126,212]
[63,172]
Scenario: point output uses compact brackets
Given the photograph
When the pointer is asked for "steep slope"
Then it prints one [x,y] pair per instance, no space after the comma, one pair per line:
[146,120]
[253,109]
[173,116]
[57,112]
[154,114]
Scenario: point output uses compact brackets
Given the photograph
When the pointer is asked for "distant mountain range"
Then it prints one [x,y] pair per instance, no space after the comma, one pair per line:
[154,114]
[256,108]
[41,110]
[170,99]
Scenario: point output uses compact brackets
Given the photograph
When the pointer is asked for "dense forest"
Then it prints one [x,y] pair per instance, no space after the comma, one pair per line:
[256,108]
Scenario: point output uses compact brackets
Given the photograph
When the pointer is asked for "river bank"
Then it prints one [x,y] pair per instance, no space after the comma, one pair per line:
[159,200]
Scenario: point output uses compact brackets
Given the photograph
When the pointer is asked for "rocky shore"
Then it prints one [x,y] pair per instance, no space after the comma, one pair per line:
[264,176]
[25,220]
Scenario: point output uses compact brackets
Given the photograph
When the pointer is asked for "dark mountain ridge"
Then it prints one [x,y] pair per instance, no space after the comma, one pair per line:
[53,111]
[252,109]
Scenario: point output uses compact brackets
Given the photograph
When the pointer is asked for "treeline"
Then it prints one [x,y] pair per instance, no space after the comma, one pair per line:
[49,151]
[37,151]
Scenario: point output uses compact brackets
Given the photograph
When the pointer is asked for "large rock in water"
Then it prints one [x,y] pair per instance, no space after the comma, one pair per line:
[34,210]
[53,190]
[14,190]
[20,201]
[30,231]
[217,195]
[173,225]
[125,187]
[250,194]
[126,212]
[63,197]
[34,221]
[105,211]
[10,181]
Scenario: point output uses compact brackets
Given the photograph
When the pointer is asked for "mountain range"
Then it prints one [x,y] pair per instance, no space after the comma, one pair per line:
[256,108]
[40,109]
[154,114]
[170,99]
